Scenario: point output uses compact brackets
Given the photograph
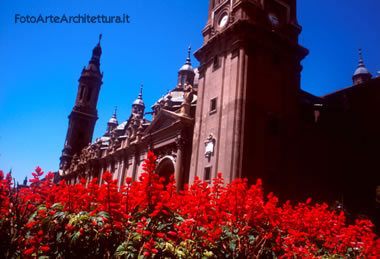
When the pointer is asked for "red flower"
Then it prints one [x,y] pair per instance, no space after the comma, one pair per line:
[172,233]
[107,176]
[45,248]
[202,212]
[39,171]
[49,176]
[29,251]
[146,233]
[160,235]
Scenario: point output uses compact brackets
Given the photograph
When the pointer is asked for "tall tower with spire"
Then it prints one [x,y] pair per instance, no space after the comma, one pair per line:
[361,73]
[249,81]
[84,114]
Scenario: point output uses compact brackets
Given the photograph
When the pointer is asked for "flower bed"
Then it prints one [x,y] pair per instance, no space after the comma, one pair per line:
[147,219]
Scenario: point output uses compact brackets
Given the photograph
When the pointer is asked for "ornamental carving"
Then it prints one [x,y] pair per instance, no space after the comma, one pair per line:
[210,146]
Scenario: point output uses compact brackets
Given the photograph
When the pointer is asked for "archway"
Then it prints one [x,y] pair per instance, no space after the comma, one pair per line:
[166,168]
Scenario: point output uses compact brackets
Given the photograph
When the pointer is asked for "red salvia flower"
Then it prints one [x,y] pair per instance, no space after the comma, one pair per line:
[235,219]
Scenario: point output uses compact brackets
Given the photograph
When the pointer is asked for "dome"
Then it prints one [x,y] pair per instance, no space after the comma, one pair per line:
[187,67]
[113,121]
[361,73]
[139,101]
[361,70]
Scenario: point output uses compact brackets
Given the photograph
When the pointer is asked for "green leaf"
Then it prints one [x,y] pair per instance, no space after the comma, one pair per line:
[59,235]
[232,245]
[57,206]
[179,218]
[104,214]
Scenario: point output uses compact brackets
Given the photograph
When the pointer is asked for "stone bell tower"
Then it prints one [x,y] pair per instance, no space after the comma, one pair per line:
[247,112]
[84,114]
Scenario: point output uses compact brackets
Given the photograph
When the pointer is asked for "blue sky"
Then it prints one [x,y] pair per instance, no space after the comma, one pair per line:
[41,63]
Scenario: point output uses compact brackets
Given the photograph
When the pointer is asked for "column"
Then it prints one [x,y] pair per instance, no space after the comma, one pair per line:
[179,163]
[102,169]
[121,173]
[134,167]
[116,168]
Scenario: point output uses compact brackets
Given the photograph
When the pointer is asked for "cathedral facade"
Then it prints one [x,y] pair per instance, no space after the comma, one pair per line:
[242,113]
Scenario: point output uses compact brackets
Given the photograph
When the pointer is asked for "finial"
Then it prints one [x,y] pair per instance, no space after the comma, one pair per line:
[188,61]
[114,114]
[361,73]
[100,38]
[141,90]
[361,62]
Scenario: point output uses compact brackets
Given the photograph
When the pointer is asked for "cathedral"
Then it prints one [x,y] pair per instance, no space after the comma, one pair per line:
[243,113]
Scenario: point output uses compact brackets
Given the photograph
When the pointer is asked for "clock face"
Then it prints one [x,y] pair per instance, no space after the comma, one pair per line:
[223,20]
[274,19]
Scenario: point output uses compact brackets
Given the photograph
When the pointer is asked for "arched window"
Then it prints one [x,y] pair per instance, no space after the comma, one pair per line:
[166,168]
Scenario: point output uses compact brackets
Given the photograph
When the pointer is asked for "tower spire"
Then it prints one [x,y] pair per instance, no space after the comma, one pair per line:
[114,114]
[95,59]
[361,73]
[138,106]
[112,124]
[186,73]
[188,60]
[361,62]
[141,91]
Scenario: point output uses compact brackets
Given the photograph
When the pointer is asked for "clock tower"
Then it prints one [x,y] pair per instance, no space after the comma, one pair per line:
[247,111]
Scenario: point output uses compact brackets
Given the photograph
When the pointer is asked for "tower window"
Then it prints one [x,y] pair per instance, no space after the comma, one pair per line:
[281,10]
[81,92]
[89,94]
[213,106]
[207,175]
